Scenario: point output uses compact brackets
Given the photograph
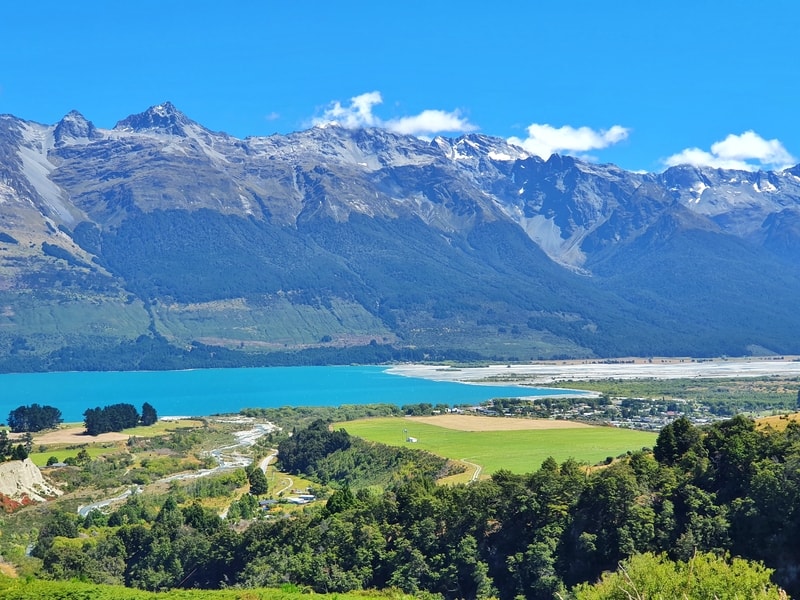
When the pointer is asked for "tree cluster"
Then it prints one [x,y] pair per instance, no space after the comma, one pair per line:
[149,414]
[117,417]
[11,451]
[729,488]
[257,480]
[336,457]
[33,418]
[301,452]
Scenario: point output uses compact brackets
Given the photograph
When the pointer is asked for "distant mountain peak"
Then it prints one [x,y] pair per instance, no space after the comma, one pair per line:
[478,146]
[161,118]
[74,127]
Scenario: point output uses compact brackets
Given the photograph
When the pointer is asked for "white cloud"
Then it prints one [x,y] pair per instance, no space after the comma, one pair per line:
[544,140]
[359,113]
[745,152]
[430,122]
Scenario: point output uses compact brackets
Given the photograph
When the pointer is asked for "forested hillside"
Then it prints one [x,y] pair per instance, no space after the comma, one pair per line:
[729,488]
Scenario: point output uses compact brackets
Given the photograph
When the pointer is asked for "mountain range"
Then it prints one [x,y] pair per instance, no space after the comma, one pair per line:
[160,235]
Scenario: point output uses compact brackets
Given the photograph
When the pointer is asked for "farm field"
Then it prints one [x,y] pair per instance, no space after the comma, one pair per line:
[498,443]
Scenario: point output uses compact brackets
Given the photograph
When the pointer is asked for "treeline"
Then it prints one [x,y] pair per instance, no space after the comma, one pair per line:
[298,417]
[154,353]
[117,417]
[290,418]
[730,488]
[33,418]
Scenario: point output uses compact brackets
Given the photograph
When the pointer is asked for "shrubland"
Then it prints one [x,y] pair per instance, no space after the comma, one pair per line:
[712,509]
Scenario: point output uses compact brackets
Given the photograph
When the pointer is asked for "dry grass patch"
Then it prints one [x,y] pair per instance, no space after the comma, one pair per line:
[8,570]
[77,435]
[480,423]
[777,422]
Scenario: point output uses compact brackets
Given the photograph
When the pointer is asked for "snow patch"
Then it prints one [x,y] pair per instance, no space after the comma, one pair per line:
[499,156]
[6,193]
[765,186]
[246,204]
[698,188]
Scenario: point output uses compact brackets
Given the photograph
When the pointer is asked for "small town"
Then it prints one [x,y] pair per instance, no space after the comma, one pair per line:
[645,414]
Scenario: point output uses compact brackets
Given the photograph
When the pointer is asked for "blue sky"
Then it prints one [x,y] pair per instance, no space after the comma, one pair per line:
[641,84]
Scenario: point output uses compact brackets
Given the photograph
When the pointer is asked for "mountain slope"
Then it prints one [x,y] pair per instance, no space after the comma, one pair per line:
[334,238]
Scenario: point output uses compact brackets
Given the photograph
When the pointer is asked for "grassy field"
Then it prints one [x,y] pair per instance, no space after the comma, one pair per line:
[520,451]
[778,422]
[69,439]
[163,427]
[63,453]
[23,589]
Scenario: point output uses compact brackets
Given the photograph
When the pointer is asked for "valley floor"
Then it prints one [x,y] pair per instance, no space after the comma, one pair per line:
[588,370]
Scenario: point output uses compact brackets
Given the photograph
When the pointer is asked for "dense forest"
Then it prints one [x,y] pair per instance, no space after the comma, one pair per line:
[731,489]
[154,353]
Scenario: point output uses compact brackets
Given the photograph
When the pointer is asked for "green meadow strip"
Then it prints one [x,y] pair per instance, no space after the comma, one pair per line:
[517,451]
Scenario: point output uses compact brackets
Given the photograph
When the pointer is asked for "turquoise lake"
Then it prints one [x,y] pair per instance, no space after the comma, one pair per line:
[214,391]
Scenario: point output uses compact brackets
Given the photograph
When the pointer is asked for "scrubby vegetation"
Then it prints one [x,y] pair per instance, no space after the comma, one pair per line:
[704,495]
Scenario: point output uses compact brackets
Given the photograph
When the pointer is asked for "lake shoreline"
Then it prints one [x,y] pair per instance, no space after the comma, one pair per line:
[225,391]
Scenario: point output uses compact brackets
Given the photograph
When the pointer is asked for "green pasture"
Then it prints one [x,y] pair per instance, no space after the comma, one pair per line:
[163,427]
[33,589]
[517,451]
[63,453]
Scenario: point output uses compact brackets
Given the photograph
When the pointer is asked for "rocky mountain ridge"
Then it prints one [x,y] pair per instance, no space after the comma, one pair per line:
[335,237]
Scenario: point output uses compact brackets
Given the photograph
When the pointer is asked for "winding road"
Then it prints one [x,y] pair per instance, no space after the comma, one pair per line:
[477,473]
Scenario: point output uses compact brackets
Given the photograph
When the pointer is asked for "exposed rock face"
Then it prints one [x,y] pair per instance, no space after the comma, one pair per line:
[332,236]
[21,479]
